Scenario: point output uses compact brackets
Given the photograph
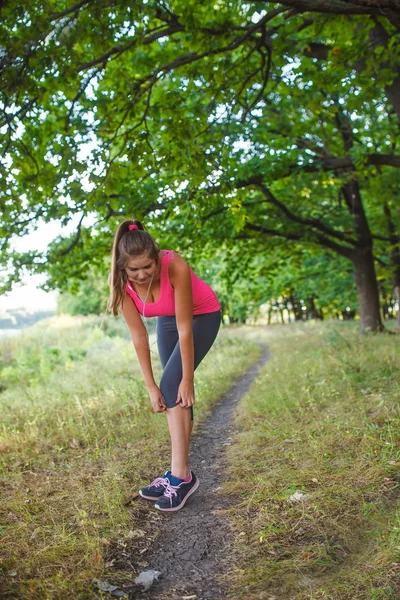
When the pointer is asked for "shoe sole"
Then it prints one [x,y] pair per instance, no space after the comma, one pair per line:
[150,497]
[192,491]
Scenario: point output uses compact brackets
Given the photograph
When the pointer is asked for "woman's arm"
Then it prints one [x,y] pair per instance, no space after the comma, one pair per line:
[141,343]
[182,283]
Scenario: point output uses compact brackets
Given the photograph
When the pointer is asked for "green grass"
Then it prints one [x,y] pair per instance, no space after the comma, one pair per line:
[321,419]
[78,437]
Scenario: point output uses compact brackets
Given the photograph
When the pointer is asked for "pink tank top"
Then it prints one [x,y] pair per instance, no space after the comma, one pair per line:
[204,298]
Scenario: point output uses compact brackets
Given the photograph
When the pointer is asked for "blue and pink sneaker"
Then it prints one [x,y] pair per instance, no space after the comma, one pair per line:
[175,496]
[156,488]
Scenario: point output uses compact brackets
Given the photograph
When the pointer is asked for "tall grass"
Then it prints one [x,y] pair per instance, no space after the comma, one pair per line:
[314,468]
[78,437]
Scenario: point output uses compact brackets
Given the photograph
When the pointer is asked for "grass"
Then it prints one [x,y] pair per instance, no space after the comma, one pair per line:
[322,419]
[78,436]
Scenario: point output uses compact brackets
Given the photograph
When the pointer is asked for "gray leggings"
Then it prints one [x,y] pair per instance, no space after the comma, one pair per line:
[205,328]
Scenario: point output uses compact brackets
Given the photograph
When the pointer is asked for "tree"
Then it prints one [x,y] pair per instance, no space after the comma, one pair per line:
[305,284]
[170,96]
[89,297]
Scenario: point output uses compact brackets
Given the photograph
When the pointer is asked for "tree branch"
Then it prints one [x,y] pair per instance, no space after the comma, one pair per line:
[382,238]
[81,91]
[284,210]
[342,7]
[346,162]
[320,235]
[266,230]
[76,238]
[72,9]
[123,47]
[378,36]
[185,58]
[290,235]
[317,50]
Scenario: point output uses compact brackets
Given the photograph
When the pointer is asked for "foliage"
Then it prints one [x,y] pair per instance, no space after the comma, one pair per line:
[87,297]
[209,120]
[246,275]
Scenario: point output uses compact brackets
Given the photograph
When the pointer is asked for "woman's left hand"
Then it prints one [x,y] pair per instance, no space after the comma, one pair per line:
[186,393]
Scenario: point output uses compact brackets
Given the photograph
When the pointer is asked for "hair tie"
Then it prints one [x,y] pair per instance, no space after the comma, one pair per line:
[132,227]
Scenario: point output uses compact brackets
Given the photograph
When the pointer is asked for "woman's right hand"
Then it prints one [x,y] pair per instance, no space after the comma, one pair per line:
[157,401]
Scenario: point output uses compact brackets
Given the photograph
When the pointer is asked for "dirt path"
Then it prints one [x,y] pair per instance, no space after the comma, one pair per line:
[194,542]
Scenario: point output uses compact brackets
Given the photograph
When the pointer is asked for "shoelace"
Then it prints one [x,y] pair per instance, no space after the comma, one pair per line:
[163,481]
[170,491]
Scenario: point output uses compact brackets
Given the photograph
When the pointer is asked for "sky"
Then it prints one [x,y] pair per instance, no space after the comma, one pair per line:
[28,295]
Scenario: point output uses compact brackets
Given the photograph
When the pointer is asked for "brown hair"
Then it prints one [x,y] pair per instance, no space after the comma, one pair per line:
[127,243]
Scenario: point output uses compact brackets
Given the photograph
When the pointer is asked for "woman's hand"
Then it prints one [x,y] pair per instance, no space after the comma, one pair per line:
[186,393]
[157,401]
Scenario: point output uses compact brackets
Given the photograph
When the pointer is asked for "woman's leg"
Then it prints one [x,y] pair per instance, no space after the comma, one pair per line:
[180,419]
[180,429]
[180,423]
[167,338]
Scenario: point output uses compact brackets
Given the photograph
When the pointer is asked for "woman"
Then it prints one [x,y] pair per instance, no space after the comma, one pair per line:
[151,282]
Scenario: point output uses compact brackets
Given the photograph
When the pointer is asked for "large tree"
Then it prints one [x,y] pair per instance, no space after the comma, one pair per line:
[216,120]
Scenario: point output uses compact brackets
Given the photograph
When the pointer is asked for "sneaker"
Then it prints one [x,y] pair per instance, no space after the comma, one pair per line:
[175,496]
[156,488]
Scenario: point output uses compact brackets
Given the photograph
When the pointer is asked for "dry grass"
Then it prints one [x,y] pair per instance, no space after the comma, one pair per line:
[321,419]
[78,436]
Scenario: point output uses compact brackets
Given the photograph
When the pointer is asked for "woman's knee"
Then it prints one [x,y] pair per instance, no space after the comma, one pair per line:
[169,391]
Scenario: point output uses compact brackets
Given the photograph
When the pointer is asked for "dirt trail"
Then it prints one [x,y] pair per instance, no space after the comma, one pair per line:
[193,543]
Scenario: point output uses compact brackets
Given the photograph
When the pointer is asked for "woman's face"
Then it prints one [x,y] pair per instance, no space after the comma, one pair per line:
[140,269]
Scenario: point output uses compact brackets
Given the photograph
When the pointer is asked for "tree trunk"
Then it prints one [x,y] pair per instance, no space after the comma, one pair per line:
[296,307]
[385,302]
[312,311]
[394,257]
[365,278]
[397,296]
[362,256]
[348,315]
[379,36]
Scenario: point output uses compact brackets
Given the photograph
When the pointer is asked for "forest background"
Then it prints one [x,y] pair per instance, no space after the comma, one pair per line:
[258,139]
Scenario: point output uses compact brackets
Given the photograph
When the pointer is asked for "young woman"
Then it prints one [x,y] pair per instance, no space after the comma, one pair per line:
[151,282]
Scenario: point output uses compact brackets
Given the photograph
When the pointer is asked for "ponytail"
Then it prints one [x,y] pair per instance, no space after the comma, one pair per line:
[129,241]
